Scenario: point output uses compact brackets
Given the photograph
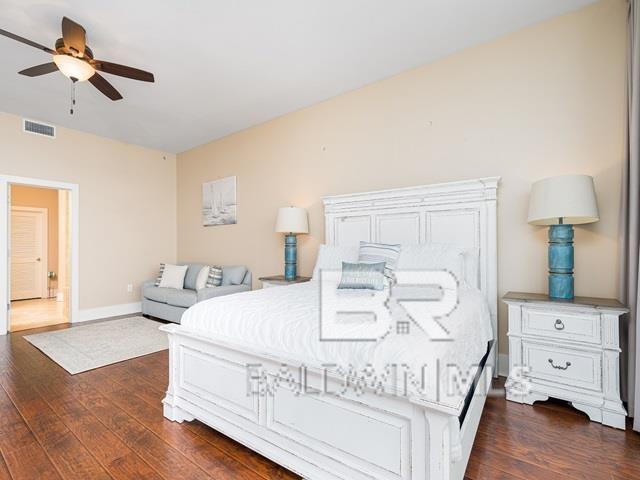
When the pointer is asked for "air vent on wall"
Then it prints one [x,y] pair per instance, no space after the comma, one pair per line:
[38,128]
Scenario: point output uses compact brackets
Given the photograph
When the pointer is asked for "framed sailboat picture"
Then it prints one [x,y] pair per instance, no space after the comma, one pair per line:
[219,202]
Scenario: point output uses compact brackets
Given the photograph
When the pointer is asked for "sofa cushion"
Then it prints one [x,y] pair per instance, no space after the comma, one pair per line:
[192,274]
[170,296]
[233,275]
[182,298]
[207,293]
[157,294]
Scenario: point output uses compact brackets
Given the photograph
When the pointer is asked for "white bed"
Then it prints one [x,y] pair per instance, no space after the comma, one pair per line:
[229,347]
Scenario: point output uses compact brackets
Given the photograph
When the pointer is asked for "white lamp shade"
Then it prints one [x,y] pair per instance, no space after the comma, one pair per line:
[292,220]
[571,198]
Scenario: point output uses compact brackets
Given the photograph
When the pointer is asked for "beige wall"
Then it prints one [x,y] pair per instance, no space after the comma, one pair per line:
[543,101]
[42,198]
[127,204]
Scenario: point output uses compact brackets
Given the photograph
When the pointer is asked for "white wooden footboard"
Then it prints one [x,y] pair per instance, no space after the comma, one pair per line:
[350,437]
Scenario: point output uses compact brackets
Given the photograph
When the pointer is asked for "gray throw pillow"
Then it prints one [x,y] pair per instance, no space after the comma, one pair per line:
[192,275]
[369,276]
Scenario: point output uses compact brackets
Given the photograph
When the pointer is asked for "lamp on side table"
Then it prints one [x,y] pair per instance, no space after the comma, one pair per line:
[562,202]
[291,221]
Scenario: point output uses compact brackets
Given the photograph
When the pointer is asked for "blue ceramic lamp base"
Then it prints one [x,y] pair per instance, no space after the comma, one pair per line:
[290,257]
[561,261]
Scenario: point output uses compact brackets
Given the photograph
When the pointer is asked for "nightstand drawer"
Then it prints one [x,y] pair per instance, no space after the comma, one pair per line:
[563,366]
[579,327]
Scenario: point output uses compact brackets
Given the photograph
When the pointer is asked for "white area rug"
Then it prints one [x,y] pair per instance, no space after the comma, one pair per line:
[78,349]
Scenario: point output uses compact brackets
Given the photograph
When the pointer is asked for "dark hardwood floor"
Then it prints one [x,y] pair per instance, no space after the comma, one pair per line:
[108,423]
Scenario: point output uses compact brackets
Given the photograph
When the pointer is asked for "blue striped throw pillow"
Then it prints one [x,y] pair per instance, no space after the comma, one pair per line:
[369,276]
[380,252]
[159,277]
[215,277]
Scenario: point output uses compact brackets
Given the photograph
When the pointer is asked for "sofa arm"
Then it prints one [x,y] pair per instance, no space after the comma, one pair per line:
[148,283]
[212,292]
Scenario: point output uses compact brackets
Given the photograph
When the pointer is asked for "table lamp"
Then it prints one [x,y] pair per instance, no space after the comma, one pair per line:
[562,202]
[291,221]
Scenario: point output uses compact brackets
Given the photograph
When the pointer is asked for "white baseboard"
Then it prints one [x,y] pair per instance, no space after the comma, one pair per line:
[106,312]
[503,364]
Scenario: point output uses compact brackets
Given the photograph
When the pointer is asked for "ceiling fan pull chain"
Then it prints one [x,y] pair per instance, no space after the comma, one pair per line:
[73,96]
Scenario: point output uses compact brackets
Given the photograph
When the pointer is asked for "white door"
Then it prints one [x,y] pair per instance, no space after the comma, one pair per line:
[28,244]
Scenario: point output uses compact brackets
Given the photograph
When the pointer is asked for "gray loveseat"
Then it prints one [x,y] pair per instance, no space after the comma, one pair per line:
[170,303]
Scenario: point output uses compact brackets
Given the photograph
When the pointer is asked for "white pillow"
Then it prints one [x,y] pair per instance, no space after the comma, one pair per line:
[201,279]
[330,257]
[461,261]
[173,276]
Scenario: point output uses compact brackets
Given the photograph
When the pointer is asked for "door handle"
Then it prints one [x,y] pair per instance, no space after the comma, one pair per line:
[38,259]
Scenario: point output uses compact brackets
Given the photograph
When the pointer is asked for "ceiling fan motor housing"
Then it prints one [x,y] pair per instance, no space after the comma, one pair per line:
[62,49]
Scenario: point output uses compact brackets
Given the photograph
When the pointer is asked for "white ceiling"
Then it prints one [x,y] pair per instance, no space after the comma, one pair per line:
[222,66]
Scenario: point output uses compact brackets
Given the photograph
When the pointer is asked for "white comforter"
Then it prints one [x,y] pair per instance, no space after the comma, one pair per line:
[284,321]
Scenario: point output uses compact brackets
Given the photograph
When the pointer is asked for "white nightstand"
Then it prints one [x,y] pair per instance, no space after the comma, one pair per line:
[279,280]
[568,350]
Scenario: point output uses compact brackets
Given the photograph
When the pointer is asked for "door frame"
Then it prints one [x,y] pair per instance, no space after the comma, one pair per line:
[74,240]
[44,258]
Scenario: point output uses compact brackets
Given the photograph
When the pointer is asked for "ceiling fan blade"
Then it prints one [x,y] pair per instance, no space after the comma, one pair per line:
[105,87]
[74,35]
[39,70]
[123,71]
[20,39]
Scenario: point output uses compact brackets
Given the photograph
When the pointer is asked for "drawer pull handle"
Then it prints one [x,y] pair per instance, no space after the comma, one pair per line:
[559,325]
[560,367]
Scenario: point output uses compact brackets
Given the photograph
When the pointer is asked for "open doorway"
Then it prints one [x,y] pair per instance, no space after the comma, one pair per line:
[39,260]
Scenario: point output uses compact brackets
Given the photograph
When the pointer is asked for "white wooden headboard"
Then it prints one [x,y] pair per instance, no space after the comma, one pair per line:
[460,213]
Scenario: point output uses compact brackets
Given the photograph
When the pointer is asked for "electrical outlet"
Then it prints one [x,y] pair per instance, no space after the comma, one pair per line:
[130,288]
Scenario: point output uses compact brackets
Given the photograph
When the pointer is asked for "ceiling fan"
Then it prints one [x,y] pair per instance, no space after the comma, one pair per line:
[73,57]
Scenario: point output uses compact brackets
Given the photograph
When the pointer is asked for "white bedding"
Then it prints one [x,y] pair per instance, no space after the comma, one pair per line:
[284,322]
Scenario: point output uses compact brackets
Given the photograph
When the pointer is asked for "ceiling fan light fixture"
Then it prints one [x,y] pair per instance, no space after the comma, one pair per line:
[73,57]
[73,67]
